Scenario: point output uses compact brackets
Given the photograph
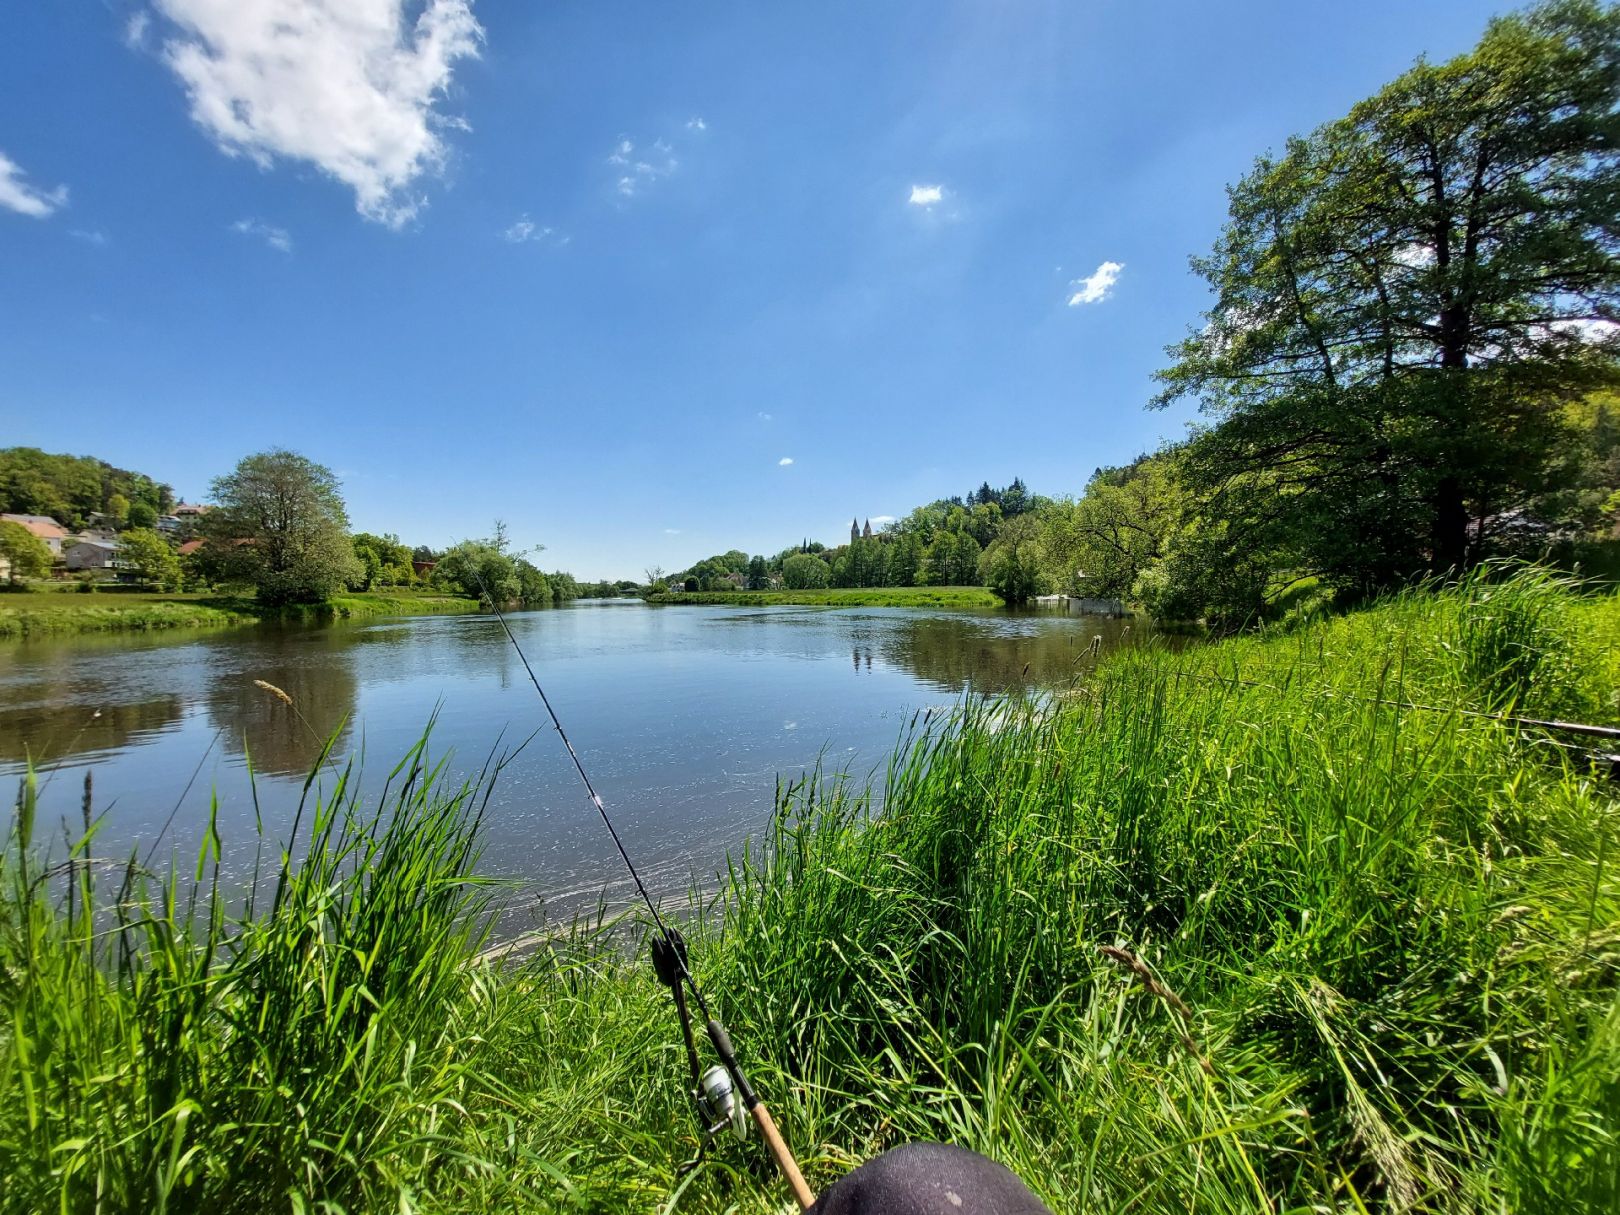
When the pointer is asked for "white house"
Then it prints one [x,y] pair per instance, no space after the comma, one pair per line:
[43,526]
[92,555]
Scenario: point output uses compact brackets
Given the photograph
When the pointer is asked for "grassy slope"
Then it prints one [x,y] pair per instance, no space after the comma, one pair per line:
[1393,935]
[881,596]
[57,613]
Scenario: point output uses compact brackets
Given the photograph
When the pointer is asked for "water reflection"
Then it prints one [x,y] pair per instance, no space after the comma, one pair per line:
[314,669]
[51,722]
[1000,654]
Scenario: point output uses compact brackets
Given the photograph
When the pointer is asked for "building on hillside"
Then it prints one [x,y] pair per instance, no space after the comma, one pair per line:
[167,524]
[189,547]
[857,532]
[190,510]
[43,526]
[421,568]
[92,555]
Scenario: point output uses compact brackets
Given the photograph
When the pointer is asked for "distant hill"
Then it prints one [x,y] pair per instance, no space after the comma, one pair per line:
[72,488]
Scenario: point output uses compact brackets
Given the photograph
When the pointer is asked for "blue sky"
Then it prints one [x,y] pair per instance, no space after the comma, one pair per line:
[647,281]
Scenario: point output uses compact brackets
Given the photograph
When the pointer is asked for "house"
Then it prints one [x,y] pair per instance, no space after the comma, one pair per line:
[167,524]
[190,510]
[189,547]
[92,555]
[420,568]
[43,526]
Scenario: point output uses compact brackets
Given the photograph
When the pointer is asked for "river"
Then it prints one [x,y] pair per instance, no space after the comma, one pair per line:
[684,716]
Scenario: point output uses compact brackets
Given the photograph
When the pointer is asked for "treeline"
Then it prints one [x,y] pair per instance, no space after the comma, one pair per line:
[75,490]
[949,542]
[1410,366]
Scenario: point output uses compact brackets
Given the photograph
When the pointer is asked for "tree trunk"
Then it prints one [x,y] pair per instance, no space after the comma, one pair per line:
[1450,527]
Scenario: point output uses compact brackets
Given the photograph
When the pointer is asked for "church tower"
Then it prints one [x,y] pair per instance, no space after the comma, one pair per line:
[866,532]
[854,530]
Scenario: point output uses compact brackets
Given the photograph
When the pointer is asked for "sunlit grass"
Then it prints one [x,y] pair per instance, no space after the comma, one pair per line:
[1234,929]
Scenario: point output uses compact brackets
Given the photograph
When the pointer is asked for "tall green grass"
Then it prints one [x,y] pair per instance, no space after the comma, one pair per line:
[1235,929]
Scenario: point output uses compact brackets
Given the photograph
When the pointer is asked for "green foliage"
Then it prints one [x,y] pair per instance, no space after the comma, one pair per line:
[383,561]
[1012,565]
[141,515]
[1402,308]
[148,556]
[28,555]
[1103,543]
[805,571]
[71,488]
[280,525]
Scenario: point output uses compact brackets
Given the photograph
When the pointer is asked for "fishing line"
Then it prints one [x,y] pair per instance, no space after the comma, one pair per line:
[669,960]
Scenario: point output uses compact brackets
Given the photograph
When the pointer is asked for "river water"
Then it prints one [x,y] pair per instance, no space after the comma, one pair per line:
[684,716]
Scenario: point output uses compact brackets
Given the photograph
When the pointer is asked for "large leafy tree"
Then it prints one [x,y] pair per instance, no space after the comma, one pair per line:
[25,553]
[1407,299]
[148,555]
[280,524]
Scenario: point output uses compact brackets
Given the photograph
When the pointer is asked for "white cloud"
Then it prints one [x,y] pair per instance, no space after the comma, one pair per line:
[17,195]
[763,416]
[90,236]
[135,29]
[525,230]
[696,124]
[349,86]
[637,170]
[881,519]
[672,531]
[926,196]
[276,238]
[1097,286]
[784,461]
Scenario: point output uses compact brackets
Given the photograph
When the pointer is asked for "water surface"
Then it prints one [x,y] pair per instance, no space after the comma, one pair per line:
[684,716]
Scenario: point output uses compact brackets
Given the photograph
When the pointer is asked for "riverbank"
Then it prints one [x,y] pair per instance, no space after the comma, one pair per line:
[62,613]
[877,596]
[1231,929]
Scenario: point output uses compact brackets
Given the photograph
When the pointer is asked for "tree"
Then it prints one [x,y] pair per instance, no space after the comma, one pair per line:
[758,574]
[1101,544]
[805,571]
[1405,302]
[142,515]
[281,525]
[383,561]
[26,553]
[1011,566]
[149,557]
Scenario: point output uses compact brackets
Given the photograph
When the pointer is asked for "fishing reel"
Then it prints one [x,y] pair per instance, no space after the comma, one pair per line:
[712,1091]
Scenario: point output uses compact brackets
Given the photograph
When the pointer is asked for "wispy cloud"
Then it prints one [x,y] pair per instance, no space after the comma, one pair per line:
[350,88]
[90,236]
[784,461]
[926,196]
[18,195]
[1096,286]
[696,124]
[526,231]
[763,416]
[672,531]
[639,169]
[276,238]
[881,519]
[135,29]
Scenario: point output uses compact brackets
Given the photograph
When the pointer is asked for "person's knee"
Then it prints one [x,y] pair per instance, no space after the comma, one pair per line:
[929,1179]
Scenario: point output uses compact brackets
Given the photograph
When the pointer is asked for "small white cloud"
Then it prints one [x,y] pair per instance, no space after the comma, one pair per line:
[784,461]
[672,531]
[90,236]
[763,416]
[882,519]
[18,195]
[926,196]
[135,29]
[637,171]
[1097,286]
[350,88]
[525,230]
[696,124]
[276,238]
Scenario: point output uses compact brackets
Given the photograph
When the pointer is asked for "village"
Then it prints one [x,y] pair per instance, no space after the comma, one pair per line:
[93,552]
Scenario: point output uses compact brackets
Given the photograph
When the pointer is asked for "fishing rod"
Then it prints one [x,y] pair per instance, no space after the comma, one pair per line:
[713,1091]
